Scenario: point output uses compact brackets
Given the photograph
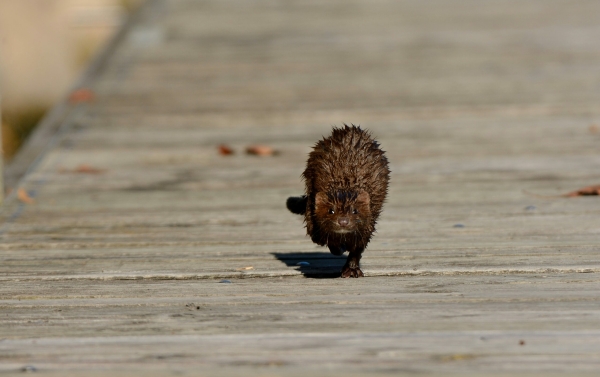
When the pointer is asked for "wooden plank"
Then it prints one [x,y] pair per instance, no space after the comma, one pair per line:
[294,305]
[426,324]
[574,353]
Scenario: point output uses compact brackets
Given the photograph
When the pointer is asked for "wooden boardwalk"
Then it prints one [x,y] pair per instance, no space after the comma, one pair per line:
[131,246]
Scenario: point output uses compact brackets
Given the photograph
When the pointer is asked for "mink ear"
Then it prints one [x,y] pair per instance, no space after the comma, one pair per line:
[363,198]
[320,199]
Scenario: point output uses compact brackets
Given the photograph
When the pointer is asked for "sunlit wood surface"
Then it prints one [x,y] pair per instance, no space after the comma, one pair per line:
[131,246]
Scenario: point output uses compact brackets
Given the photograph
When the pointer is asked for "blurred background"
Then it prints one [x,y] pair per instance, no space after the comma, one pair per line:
[44,46]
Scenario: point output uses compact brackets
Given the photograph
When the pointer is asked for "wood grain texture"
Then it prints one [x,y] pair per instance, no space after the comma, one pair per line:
[487,112]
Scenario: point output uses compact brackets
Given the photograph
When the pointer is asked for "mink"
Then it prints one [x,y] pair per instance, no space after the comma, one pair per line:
[346,179]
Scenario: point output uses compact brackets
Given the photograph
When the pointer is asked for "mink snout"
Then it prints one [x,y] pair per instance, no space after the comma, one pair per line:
[343,221]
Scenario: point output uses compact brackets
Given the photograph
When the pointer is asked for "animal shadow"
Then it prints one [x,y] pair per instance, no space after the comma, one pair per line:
[316,265]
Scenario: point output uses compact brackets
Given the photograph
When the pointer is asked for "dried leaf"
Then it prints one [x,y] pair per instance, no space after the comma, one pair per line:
[245,268]
[87,169]
[83,169]
[225,150]
[24,197]
[261,150]
[586,191]
[81,95]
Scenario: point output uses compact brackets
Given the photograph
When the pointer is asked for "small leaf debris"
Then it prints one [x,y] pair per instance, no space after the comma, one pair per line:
[225,150]
[81,95]
[586,191]
[83,169]
[594,129]
[261,150]
[87,169]
[24,197]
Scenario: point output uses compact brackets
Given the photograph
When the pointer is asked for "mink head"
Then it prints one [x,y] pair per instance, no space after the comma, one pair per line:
[342,212]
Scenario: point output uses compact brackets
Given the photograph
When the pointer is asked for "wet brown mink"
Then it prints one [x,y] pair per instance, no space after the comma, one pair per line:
[346,180]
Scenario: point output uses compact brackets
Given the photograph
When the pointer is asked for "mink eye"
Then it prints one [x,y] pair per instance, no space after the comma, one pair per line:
[331,211]
[355,212]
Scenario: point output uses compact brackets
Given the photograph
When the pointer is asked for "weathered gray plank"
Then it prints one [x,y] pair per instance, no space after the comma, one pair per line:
[471,352]
[510,302]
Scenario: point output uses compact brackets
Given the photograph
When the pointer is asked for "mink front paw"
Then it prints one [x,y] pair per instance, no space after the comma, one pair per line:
[352,272]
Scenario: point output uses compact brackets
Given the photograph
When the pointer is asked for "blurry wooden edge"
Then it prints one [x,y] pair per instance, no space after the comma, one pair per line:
[56,121]
[1,157]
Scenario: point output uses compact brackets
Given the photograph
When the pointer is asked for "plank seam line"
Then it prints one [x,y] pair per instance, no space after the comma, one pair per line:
[296,273]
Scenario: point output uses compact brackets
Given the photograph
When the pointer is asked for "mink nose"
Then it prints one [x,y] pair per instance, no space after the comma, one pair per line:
[343,221]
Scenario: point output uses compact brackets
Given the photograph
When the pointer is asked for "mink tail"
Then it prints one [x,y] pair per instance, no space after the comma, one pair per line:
[296,204]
